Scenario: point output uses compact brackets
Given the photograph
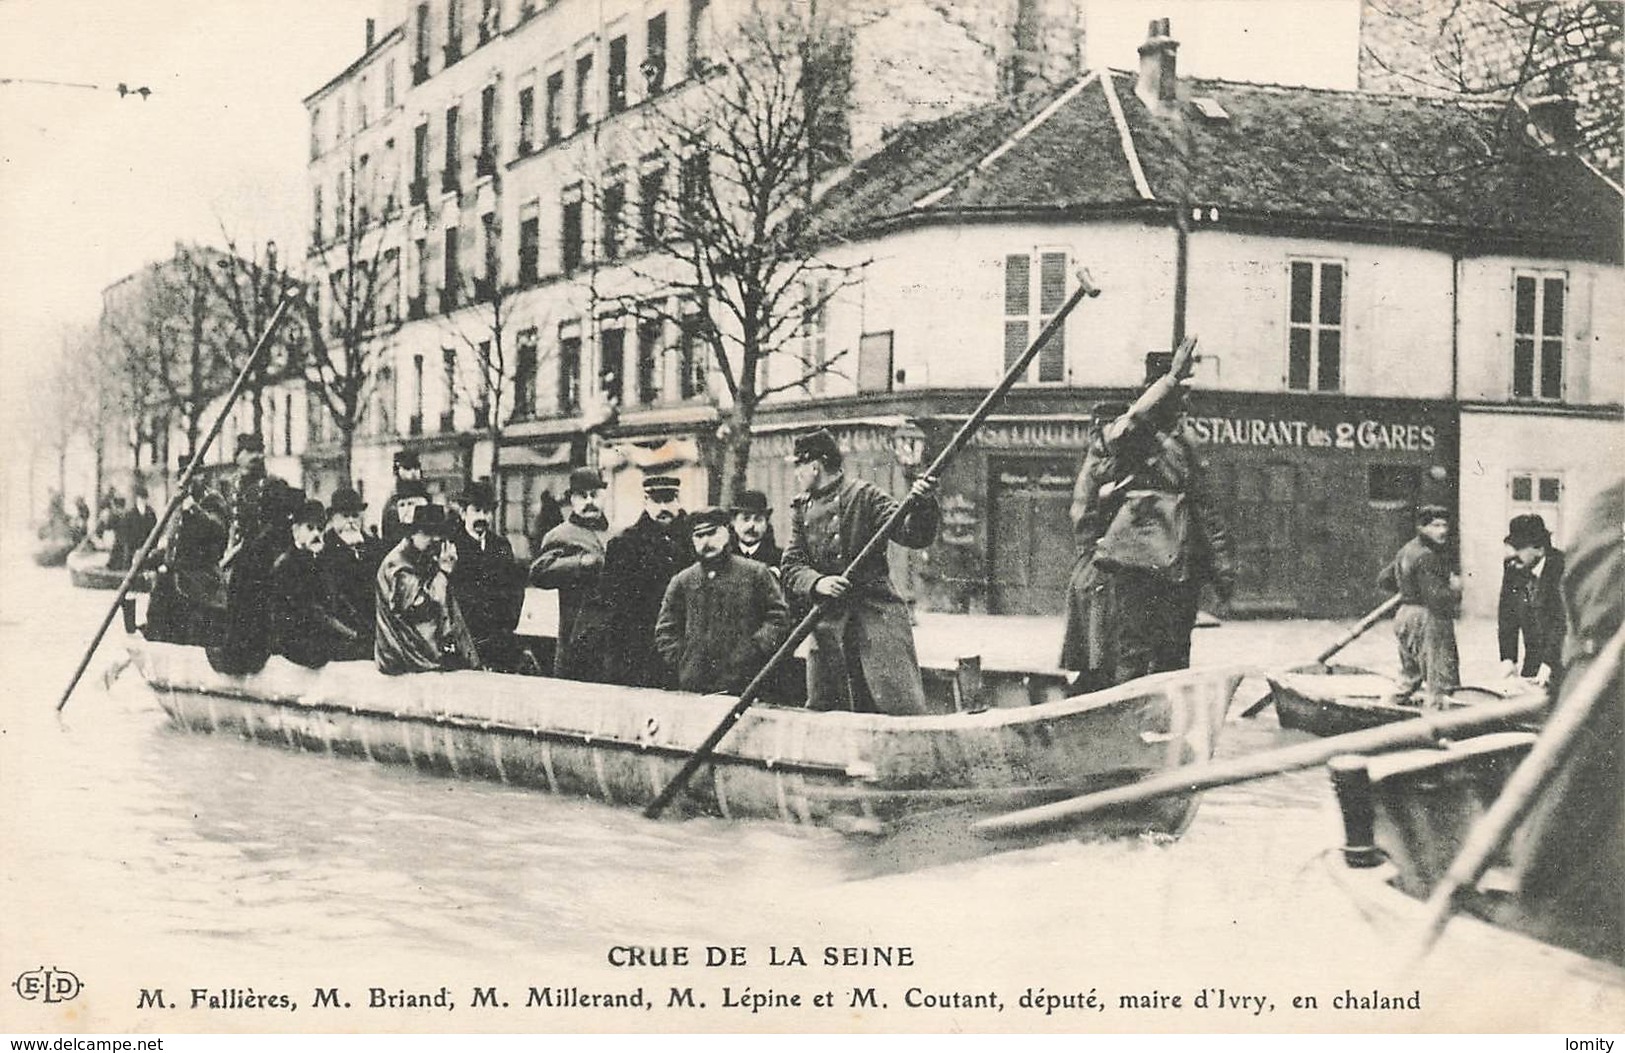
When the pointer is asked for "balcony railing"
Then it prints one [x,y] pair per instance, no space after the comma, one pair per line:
[417,306]
[453,50]
[418,191]
[450,183]
[485,290]
[420,69]
[485,163]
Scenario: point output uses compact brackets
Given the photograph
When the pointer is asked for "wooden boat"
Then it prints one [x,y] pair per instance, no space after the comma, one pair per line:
[53,552]
[1341,699]
[857,772]
[87,569]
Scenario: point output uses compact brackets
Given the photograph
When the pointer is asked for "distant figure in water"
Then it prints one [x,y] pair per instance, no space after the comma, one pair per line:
[1425,626]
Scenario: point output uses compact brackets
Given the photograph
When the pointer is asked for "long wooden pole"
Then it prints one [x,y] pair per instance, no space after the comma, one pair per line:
[1559,736]
[1359,630]
[753,690]
[1424,729]
[140,557]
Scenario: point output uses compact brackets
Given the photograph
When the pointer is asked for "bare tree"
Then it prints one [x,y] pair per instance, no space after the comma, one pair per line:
[350,300]
[752,136]
[71,400]
[247,286]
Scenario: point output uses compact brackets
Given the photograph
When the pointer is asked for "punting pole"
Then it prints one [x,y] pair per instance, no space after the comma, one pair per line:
[747,698]
[1383,610]
[140,558]
[1559,736]
[1425,729]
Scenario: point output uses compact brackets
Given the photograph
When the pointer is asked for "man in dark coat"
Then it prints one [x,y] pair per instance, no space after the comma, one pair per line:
[571,560]
[420,627]
[411,493]
[490,583]
[1424,625]
[1531,602]
[304,628]
[639,563]
[753,530]
[188,591]
[246,493]
[1089,644]
[244,640]
[723,616]
[862,656]
[349,561]
[132,528]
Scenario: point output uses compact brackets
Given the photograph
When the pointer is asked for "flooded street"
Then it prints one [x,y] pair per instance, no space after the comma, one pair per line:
[140,856]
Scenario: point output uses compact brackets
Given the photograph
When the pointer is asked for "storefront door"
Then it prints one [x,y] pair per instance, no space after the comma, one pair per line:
[1031,536]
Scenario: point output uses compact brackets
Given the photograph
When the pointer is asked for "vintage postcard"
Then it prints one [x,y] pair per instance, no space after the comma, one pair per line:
[857,516]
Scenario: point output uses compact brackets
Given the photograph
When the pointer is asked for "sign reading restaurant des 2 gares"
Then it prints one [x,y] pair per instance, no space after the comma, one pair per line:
[1332,425]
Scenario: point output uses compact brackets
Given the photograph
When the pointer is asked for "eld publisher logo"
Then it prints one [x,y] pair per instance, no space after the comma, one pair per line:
[47,985]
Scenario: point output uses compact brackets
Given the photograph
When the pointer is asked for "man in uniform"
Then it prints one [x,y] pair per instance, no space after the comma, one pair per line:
[862,655]
[1089,645]
[571,560]
[1424,625]
[753,530]
[349,567]
[723,616]
[1531,604]
[639,563]
[490,584]
[410,494]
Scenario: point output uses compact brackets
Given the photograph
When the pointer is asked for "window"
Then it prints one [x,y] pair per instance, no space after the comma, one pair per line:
[493,244]
[421,284]
[454,31]
[692,355]
[339,209]
[570,227]
[1028,307]
[651,185]
[583,91]
[316,215]
[448,366]
[490,20]
[527,120]
[362,90]
[874,362]
[1539,298]
[529,243]
[486,163]
[453,273]
[612,362]
[419,190]
[484,371]
[649,330]
[340,122]
[389,84]
[315,133]
[449,181]
[555,106]
[699,28]
[389,286]
[614,205]
[524,375]
[1539,493]
[617,74]
[363,191]
[1315,326]
[815,335]
[694,182]
[420,61]
[415,425]
[569,370]
[654,54]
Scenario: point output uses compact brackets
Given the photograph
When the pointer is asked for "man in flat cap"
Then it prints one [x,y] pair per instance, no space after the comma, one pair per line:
[862,656]
[753,530]
[410,494]
[349,561]
[489,581]
[639,563]
[571,560]
[1531,603]
[1089,644]
[723,616]
[1424,625]
[420,625]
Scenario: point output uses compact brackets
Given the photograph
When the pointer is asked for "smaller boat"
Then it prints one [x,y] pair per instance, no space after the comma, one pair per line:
[53,551]
[1335,700]
[88,569]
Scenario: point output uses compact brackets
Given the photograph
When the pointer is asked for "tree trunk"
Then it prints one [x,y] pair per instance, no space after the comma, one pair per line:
[346,452]
[735,458]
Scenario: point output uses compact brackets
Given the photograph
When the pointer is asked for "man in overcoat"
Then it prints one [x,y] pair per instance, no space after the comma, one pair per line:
[862,655]
[489,581]
[1089,645]
[753,530]
[420,627]
[304,628]
[1531,603]
[722,617]
[639,563]
[349,561]
[571,560]
[410,494]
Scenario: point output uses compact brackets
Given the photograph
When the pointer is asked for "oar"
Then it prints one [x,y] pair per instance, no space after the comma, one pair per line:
[140,558]
[1427,728]
[748,697]
[1359,630]
[1559,736]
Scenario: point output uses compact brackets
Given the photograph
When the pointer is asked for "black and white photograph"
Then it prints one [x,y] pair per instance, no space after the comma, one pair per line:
[564,517]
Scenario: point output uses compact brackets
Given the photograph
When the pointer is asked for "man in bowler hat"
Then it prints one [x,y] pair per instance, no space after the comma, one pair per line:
[639,563]
[753,530]
[571,560]
[411,493]
[1531,605]
[862,654]
[489,581]
[349,561]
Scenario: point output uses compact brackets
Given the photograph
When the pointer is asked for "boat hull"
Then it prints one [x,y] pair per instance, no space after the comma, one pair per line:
[1339,701]
[87,569]
[857,772]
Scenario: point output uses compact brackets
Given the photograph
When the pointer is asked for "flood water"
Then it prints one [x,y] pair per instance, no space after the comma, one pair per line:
[138,855]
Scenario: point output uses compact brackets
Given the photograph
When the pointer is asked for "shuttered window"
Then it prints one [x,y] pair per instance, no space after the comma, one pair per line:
[1315,326]
[1029,306]
[1537,342]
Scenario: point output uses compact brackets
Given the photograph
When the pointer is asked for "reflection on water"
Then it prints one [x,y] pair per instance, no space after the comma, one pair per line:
[212,848]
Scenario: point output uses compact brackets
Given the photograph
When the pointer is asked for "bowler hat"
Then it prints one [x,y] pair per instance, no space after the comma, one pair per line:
[817,445]
[249,442]
[709,516]
[478,495]
[1428,513]
[752,501]
[661,484]
[585,481]
[311,514]
[408,460]
[1528,531]
[347,502]
[430,519]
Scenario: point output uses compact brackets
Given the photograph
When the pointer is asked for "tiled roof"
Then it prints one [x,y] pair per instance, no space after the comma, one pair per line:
[1388,163]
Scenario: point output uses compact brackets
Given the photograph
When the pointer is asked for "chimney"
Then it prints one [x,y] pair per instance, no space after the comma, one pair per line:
[1159,81]
[372,32]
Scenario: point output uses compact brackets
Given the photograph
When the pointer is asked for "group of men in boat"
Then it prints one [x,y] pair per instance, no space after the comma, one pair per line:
[693,600]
